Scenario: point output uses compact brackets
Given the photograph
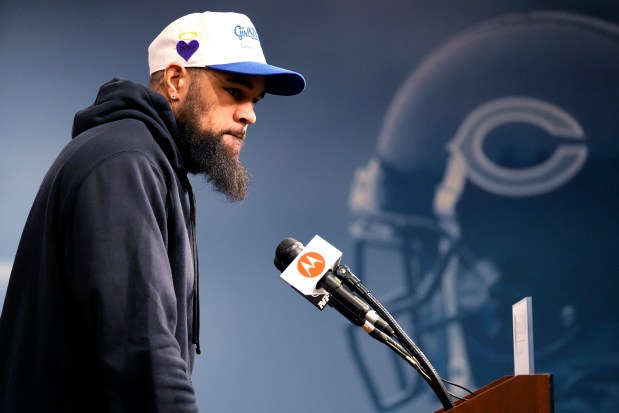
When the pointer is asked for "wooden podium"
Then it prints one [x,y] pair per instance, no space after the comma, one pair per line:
[510,394]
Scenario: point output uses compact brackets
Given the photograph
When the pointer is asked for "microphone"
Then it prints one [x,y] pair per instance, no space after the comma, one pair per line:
[312,272]
[341,293]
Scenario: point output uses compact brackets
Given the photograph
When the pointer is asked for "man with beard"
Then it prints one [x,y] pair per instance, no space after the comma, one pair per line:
[102,312]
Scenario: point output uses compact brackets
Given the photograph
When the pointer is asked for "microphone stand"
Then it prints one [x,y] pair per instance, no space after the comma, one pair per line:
[406,349]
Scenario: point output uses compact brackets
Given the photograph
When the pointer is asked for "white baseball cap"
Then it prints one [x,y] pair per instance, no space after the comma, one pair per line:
[222,41]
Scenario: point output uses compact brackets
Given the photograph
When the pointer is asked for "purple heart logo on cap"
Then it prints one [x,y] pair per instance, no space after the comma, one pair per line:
[186,50]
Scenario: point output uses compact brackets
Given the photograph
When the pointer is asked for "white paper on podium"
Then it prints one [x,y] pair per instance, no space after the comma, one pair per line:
[522,313]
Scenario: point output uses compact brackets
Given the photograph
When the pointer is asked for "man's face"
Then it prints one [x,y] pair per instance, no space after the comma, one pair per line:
[213,121]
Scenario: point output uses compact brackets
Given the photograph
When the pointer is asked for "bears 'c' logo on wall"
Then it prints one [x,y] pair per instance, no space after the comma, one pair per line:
[311,264]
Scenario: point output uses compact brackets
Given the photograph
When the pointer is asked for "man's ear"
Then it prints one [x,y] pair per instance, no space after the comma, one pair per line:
[176,82]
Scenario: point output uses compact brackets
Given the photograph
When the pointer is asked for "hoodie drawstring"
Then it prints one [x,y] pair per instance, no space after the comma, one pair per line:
[195,330]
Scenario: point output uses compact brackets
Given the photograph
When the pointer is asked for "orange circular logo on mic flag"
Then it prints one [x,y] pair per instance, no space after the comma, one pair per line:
[311,264]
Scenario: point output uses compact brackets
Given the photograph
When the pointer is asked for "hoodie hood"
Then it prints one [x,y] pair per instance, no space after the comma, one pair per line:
[122,99]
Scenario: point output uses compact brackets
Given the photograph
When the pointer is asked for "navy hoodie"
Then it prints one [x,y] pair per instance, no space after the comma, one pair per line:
[99,311]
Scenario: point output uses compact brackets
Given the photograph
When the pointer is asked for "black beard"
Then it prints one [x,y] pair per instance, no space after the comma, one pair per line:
[204,152]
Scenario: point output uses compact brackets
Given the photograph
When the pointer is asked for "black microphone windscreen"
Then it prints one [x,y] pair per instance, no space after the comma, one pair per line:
[286,252]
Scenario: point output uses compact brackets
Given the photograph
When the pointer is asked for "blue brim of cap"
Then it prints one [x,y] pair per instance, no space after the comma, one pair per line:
[279,81]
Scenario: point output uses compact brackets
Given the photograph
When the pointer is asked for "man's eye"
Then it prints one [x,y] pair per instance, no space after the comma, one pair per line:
[236,93]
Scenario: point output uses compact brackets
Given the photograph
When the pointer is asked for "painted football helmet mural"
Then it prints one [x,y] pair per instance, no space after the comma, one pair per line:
[496,177]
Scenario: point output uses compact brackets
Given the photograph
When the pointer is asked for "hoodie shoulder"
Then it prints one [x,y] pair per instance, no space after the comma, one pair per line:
[122,102]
